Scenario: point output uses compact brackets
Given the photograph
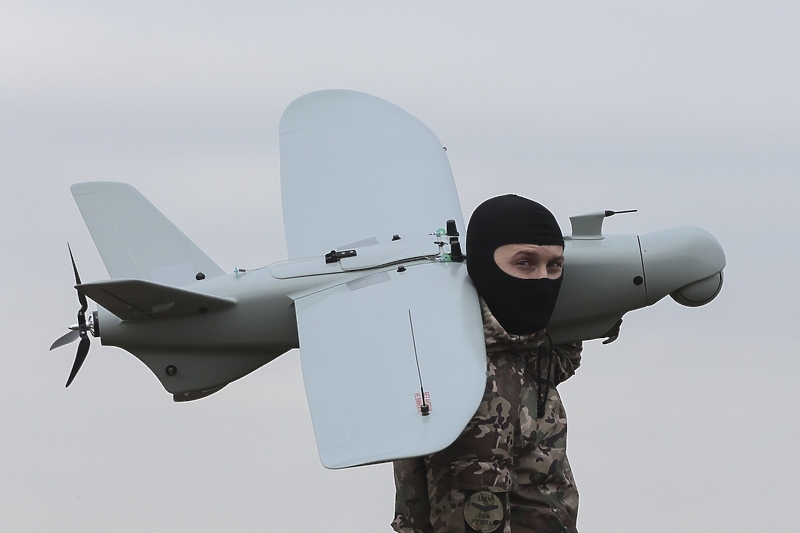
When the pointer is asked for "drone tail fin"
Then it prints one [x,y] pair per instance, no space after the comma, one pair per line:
[136,240]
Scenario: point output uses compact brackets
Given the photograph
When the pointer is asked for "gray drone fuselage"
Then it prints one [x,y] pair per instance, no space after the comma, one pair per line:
[605,277]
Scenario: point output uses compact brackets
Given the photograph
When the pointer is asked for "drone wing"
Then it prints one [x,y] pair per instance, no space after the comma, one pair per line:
[356,171]
[373,348]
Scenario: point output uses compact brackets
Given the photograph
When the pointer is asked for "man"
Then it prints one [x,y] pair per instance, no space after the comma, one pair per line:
[508,470]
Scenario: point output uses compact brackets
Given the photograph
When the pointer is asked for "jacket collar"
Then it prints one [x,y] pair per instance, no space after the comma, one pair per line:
[498,339]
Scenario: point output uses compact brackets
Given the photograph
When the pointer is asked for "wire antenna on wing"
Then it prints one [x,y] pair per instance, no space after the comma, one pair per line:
[425,409]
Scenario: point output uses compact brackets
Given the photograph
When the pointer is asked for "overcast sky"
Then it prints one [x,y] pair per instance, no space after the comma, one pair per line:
[687,111]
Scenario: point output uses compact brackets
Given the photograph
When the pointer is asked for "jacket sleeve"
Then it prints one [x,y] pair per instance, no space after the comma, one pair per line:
[567,359]
[412,511]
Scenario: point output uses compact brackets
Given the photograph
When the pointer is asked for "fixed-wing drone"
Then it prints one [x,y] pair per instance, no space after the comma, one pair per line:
[375,291]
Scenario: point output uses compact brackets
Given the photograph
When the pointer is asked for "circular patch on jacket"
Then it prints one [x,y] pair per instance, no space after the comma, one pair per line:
[483,511]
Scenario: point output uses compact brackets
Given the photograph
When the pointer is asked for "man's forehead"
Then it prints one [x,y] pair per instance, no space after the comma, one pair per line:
[550,250]
[524,246]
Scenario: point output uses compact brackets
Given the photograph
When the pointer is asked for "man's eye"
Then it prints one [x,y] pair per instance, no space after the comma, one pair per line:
[523,262]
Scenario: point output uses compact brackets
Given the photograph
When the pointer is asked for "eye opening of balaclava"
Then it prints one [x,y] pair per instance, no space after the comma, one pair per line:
[521,306]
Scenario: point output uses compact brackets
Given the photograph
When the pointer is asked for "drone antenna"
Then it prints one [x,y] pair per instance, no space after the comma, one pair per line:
[425,409]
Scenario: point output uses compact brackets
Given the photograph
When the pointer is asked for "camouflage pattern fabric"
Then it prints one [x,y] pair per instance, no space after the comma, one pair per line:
[504,450]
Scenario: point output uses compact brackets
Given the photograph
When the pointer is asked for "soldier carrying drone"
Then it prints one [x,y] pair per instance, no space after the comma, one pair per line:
[508,470]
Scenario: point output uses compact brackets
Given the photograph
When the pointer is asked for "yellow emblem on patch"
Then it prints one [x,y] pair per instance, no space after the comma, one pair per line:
[484,511]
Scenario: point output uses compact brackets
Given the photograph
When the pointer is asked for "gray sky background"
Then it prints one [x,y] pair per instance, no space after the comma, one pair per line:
[687,111]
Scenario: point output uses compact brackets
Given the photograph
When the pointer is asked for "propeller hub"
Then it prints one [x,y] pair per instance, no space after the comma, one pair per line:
[93,324]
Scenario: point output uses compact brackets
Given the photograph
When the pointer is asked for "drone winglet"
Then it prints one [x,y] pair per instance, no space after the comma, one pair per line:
[135,239]
[136,299]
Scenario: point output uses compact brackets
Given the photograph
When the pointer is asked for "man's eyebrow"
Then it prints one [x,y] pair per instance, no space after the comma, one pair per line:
[536,253]
[524,253]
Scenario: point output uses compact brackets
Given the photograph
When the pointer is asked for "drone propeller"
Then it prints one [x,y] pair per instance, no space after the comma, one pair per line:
[80,330]
[71,336]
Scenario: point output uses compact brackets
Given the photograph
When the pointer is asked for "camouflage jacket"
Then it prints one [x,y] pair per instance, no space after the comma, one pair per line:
[508,471]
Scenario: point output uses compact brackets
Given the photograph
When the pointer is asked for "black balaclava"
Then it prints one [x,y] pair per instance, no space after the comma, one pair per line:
[521,306]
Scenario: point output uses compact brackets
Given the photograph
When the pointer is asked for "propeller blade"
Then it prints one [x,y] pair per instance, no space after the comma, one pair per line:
[80,357]
[68,337]
[81,297]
